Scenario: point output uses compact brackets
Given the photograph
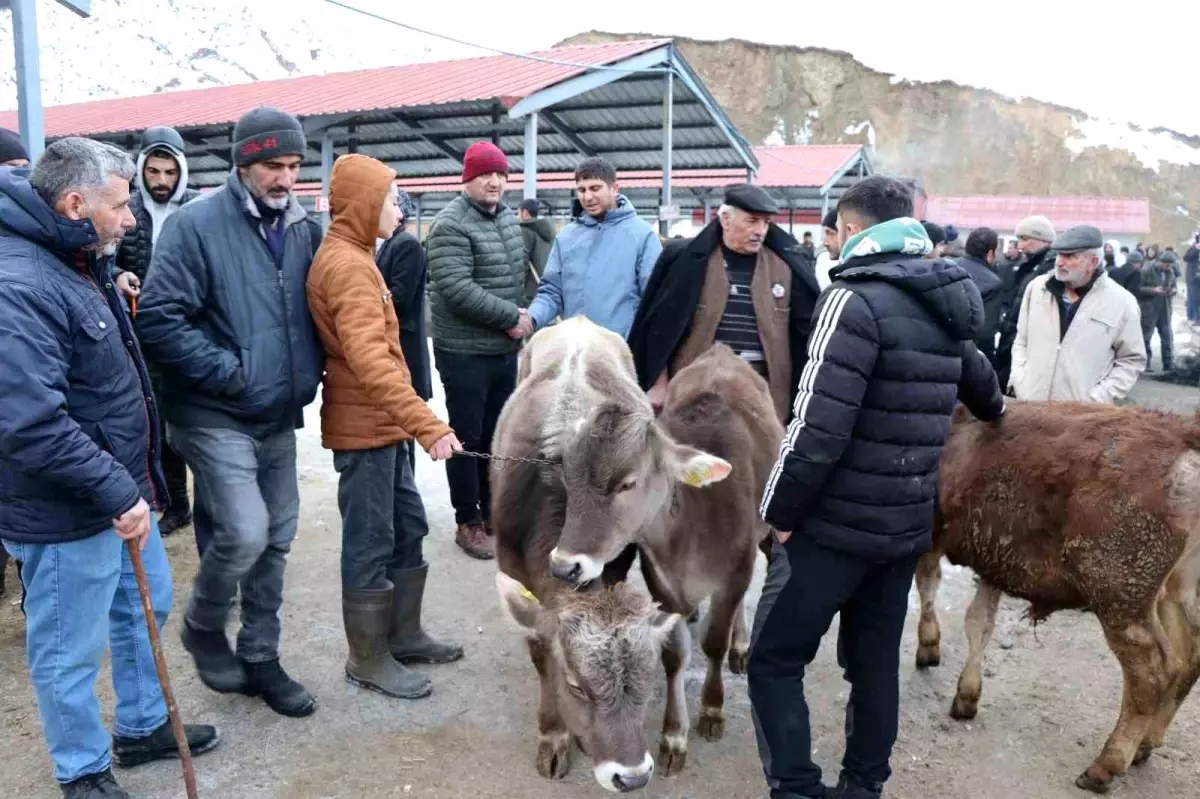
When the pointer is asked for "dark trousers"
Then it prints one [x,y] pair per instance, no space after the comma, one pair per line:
[477,386]
[383,517]
[1193,299]
[174,468]
[806,585]
[1159,319]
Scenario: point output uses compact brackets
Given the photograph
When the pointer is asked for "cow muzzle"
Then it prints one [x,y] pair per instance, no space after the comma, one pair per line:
[623,779]
[575,569]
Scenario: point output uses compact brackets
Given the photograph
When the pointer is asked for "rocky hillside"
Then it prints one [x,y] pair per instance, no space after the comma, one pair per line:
[955,139]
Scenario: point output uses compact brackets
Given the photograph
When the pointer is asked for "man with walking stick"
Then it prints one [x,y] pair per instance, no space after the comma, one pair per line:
[79,465]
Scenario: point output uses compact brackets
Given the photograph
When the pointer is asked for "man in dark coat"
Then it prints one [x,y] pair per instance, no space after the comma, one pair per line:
[1129,274]
[1034,235]
[729,284]
[79,470]
[159,189]
[852,495]
[979,261]
[401,260]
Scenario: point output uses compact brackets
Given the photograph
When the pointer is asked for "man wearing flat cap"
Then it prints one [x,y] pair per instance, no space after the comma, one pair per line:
[729,284]
[1079,334]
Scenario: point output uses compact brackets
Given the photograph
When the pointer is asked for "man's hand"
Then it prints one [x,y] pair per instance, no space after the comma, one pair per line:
[524,325]
[445,447]
[782,536]
[134,524]
[129,284]
[658,393]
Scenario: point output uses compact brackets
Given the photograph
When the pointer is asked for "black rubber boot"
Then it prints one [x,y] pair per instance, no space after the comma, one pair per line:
[281,693]
[408,642]
[848,789]
[174,520]
[161,745]
[216,664]
[94,786]
[367,616]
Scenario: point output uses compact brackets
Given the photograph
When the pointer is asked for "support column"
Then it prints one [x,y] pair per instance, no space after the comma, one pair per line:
[531,142]
[664,225]
[824,207]
[29,80]
[792,221]
[707,210]
[326,170]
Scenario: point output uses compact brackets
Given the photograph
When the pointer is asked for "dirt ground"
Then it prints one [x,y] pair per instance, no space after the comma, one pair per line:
[1050,696]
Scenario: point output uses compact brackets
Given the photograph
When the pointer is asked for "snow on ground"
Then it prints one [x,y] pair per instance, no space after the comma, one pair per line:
[1150,147]
[856,128]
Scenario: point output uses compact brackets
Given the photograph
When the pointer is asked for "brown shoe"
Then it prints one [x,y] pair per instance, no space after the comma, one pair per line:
[474,540]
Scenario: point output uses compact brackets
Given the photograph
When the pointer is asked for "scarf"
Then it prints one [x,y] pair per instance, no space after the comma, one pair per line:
[904,235]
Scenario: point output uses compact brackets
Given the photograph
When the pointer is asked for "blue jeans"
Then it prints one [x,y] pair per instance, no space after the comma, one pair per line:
[383,517]
[246,488]
[72,590]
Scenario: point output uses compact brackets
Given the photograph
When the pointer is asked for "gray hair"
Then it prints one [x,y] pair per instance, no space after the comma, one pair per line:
[728,210]
[78,164]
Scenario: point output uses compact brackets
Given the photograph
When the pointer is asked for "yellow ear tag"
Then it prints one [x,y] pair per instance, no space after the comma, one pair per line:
[525,592]
[696,477]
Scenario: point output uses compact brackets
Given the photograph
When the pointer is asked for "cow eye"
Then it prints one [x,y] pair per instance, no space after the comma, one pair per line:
[576,689]
[627,485]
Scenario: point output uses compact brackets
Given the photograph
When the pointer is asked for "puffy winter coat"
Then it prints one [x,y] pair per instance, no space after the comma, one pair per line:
[368,399]
[477,278]
[136,248]
[78,424]
[991,289]
[228,323]
[405,270]
[891,351]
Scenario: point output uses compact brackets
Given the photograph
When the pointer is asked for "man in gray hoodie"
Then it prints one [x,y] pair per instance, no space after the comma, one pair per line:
[160,189]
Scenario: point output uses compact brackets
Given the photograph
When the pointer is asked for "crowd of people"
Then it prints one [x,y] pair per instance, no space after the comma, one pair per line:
[149,330]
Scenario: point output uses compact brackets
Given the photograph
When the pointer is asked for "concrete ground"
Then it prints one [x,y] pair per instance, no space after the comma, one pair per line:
[1050,697]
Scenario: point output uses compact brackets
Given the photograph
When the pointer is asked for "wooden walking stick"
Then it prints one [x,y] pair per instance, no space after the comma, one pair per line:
[160,662]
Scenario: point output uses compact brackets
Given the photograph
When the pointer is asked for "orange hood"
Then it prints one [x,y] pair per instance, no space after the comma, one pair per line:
[358,187]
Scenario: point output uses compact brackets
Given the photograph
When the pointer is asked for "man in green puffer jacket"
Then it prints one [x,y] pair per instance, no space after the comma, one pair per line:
[477,289]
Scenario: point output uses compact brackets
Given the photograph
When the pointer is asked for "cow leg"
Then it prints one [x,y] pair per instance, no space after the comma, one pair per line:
[980,622]
[739,642]
[1180,659]
[672,747]
[929,632]
[726,603]
[1139,650]
[554,742]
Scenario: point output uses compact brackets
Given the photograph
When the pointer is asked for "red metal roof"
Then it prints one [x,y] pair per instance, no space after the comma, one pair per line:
[464,80]
[798,166]
[1002,214]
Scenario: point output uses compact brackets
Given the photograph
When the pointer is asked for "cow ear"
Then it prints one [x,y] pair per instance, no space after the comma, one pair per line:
[518,602]
[694,467]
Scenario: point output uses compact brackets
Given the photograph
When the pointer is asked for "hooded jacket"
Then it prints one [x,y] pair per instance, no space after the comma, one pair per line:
[1097,359]
[137,247]
[598,268]
[538,235]
[368,400]
[891,352]
[78,424]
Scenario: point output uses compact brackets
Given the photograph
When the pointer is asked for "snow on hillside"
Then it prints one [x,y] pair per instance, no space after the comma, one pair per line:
[132,47]
[1150,147]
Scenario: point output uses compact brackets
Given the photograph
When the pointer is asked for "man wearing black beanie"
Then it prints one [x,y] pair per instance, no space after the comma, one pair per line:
[224,312]
[12,149]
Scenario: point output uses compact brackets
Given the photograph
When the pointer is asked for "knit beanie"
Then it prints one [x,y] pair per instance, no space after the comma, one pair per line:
[1037,227]
[11,148]
[934,231]
[481,158]
[266,133]
[830,220]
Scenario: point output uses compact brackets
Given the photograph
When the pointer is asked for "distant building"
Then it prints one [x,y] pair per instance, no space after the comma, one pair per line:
[1125,219]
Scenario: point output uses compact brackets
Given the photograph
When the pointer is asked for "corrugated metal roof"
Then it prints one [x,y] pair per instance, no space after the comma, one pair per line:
[1002,214]
[473,79]
[802,164]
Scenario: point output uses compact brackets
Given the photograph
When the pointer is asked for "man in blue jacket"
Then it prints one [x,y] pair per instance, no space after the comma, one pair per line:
[852,494]
[225,315]
[600,263]
[79,464]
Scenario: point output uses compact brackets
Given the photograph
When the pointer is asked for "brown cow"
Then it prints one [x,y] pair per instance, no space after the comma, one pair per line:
[1078,506]
[683,488]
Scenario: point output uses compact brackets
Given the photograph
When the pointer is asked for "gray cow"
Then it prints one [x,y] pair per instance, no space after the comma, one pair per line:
[682,490]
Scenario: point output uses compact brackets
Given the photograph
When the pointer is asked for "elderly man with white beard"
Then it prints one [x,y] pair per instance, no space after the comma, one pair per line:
[1079,334]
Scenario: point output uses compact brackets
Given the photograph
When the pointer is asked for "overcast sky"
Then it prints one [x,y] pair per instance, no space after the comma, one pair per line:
[1139,62]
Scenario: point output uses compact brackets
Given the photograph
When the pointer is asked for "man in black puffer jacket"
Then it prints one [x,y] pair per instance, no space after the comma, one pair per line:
[852,495]
[159,189]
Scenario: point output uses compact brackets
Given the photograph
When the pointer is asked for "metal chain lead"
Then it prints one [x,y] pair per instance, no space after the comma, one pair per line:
[509,458]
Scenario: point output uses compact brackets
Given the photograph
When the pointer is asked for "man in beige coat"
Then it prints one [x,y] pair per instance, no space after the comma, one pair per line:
[1079,334]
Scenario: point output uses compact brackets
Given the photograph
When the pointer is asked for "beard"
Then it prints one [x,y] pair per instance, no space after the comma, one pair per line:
[277,202]
[161,194]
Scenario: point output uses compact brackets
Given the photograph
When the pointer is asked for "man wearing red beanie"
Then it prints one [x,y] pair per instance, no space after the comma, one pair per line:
[477,288]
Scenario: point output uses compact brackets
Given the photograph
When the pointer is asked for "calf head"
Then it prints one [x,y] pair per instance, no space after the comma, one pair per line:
[602,650]
[620,471]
